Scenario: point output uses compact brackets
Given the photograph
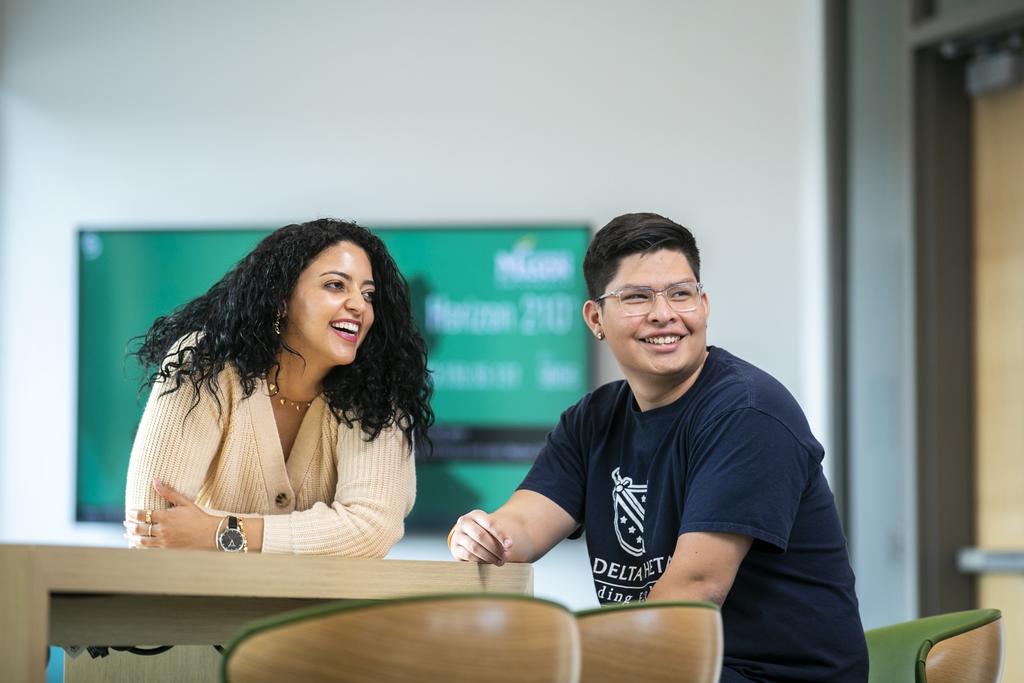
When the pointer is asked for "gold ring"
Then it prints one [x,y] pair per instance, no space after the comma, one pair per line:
[149,516]
[150,532]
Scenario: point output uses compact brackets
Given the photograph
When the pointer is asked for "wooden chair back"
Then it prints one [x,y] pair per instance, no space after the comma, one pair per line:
[479,638]
[652,641]
[975,656]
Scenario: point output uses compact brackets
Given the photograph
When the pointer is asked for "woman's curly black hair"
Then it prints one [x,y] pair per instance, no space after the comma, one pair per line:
[234,323]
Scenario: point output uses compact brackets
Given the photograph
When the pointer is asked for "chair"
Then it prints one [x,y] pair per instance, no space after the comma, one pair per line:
[652,641]
[486,638]
[960,647]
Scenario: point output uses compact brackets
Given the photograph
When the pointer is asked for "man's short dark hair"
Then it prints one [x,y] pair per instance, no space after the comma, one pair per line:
[634,233]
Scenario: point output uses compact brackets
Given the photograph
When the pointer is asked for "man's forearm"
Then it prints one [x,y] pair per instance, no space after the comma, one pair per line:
[523,548]
[703,567]
[682,589]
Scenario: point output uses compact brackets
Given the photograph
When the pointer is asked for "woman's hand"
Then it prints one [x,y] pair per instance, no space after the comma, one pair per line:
[184,525]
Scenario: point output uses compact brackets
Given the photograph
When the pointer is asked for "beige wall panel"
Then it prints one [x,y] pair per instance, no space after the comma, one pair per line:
[999,351]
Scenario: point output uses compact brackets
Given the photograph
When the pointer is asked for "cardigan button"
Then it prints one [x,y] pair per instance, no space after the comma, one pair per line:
[281,500]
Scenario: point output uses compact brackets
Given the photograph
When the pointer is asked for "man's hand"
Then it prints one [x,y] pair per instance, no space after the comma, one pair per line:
[522,530]
[477,537]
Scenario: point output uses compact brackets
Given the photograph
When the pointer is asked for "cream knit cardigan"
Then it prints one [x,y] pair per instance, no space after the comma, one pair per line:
[337,495]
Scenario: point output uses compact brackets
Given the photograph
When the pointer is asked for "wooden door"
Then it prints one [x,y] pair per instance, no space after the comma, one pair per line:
[999,351]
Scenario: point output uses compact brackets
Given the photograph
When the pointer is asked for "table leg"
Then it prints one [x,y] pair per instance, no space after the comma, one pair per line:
[24,618]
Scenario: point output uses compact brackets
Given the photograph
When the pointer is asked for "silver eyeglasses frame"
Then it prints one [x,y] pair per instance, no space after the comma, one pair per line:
[654,297]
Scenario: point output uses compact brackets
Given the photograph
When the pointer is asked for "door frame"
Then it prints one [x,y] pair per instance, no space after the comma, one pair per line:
[942,223]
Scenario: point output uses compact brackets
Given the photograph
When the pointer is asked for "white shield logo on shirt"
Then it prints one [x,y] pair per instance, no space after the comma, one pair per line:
[629,502]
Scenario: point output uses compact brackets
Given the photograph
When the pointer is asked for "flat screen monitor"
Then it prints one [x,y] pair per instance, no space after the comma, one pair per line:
[499,307]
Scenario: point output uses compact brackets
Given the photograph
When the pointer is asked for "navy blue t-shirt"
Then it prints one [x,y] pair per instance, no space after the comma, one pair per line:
[733,454]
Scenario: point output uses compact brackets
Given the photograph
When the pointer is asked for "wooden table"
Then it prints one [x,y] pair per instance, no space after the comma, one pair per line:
[108,596]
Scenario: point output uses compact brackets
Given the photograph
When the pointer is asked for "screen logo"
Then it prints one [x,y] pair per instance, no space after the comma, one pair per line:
[526,266]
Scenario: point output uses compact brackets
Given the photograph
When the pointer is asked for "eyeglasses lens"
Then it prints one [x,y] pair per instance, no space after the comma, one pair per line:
[640,300]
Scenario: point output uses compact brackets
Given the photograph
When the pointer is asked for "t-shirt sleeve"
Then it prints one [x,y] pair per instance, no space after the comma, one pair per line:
[746,474]
[559,472]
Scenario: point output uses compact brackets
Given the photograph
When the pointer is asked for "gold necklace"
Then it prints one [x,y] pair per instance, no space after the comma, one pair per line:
[275,393]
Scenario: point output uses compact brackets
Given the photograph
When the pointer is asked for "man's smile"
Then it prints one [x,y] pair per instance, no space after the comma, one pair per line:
[662,340]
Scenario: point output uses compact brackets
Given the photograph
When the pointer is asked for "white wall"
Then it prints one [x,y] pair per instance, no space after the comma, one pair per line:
[138,114]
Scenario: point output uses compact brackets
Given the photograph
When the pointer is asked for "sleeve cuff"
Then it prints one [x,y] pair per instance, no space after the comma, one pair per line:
[277,534]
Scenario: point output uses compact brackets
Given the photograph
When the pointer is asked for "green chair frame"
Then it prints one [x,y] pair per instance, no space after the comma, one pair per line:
[966,647]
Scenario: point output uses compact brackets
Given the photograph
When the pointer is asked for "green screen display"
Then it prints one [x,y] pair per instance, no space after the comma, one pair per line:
[498,306]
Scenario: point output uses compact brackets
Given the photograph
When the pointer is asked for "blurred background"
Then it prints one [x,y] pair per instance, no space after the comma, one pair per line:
[850,170]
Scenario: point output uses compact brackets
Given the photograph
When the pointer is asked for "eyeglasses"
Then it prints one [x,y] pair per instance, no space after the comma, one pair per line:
[682,297]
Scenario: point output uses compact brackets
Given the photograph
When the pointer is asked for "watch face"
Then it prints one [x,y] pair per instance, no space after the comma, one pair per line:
[232,540]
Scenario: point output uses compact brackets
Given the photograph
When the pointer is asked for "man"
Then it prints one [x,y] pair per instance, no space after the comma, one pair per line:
[696,478]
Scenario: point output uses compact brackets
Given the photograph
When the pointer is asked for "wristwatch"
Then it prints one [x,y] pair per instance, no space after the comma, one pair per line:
[232,539]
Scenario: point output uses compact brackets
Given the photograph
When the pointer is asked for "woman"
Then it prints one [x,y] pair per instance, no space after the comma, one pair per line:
[290,395]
